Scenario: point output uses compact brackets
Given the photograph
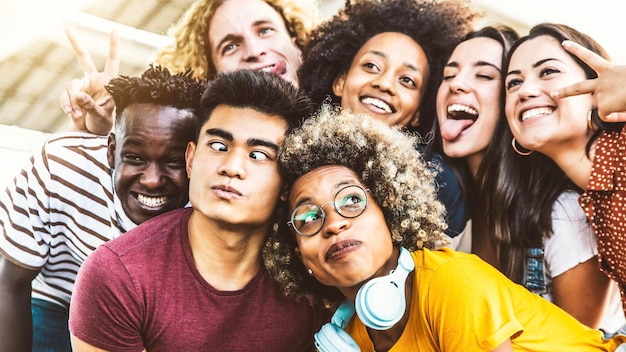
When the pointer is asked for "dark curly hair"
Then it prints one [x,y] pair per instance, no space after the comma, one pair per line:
[261,91]
[159,87]
[437,26]
[386,161]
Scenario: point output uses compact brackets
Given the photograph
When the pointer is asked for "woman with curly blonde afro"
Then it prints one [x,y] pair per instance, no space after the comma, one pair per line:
[362,218]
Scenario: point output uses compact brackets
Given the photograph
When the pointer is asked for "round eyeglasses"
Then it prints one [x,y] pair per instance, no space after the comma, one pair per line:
[308,218]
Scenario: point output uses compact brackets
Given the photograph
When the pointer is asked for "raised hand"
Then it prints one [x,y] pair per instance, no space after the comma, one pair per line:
[85,100]
[608,92]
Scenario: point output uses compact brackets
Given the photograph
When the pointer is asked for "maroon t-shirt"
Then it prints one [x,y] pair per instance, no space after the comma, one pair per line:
[142,290]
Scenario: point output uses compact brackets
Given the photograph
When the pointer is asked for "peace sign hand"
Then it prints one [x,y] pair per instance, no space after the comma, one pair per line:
[85,100]
[608,93]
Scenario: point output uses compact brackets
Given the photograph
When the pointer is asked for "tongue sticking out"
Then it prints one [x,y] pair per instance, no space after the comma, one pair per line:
[451,128]
[279,68]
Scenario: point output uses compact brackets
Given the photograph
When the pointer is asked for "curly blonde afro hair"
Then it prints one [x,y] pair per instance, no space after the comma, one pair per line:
[386,161]
[190,50]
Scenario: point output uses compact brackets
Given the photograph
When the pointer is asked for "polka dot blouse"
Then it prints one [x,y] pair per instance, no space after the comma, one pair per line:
[604,203]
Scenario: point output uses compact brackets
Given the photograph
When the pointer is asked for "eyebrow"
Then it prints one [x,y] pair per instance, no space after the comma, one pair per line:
[479,63]
[251,142]
[337,186]
[133,140]
[230,36]
[218,132]
[406,64]
[535,65]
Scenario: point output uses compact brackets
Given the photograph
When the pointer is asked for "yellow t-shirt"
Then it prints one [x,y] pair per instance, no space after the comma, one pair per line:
[461,303]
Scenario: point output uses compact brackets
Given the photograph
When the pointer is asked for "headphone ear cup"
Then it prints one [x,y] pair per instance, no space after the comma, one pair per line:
[332,338]
[380,303]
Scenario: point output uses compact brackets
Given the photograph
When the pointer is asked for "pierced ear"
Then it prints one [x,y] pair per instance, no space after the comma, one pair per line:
[111,150]
[338,85]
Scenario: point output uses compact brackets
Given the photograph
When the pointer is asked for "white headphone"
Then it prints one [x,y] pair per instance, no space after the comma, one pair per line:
[380,304]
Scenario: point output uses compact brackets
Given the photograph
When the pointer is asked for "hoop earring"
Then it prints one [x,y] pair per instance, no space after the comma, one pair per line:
[591,116]
[520,151]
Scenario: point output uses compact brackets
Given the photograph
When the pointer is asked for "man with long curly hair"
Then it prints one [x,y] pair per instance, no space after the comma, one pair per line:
[212,36]
[219,35]
[359,223]
[82,190]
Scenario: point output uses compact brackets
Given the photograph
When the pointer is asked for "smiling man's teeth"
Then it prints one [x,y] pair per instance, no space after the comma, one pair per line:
[537,112]
[378,103]
[152,202]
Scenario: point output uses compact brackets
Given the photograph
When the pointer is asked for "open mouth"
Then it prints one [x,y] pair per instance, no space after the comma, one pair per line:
[279,68]
[536,112]
[460,118]
[268,68]
[462,112]
[151,202]
[378,105]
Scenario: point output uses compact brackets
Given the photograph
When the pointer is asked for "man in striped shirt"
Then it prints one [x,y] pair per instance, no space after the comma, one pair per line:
[82,190]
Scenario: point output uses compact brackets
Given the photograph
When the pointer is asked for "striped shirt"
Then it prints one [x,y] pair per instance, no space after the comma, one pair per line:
[58,210]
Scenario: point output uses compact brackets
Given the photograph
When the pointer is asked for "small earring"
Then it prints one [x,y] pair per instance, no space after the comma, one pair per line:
[593,113]
[519,151]
[310,272]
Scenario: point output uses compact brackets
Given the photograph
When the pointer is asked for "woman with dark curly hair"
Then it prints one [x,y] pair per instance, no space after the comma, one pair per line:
[361,205]
[335,52]
[383,58]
